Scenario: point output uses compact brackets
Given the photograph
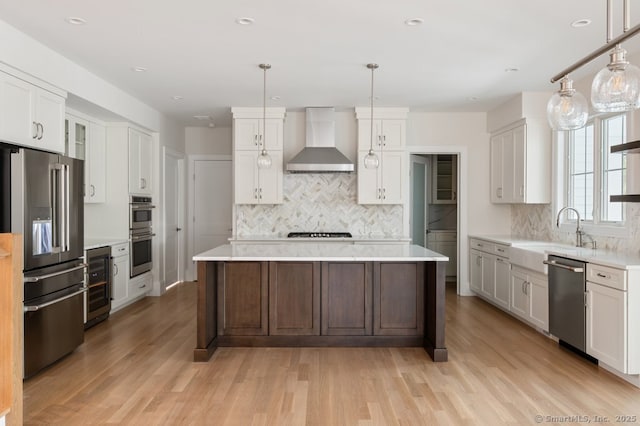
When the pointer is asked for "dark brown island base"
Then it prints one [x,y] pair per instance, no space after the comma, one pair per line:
[321,294]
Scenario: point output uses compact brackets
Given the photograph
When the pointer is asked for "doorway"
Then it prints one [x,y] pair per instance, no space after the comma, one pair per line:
[173,265]
[434,213]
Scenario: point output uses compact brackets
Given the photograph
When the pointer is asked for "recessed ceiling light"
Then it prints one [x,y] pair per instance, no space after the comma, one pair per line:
[245,21]
[75,20]
[202,117]
[473,98]
[138,69]
[511,69]
[581,23]
[212,125]
[275,98]
[177,98]
[412,22]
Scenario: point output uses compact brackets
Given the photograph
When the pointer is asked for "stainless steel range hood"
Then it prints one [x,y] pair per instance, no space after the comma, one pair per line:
[320,154]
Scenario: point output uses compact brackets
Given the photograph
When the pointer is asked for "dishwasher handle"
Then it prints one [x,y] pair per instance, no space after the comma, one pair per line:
[560,265]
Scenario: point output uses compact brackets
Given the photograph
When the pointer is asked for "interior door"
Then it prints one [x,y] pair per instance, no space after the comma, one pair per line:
[212,224]
[173,219]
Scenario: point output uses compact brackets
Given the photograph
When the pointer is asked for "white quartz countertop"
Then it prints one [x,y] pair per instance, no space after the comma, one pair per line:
[325,251]
[353,240]
[585,254]
[91,243]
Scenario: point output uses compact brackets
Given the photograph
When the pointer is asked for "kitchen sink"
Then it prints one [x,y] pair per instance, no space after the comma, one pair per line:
[531,255]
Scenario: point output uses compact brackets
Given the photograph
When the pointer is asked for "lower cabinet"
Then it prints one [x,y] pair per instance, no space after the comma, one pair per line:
[347,299]
[243,299]
[120,270]
[530,297]
[606,325]
[489,277]
[398,299]
[140,285]
[321,298]
[294,298]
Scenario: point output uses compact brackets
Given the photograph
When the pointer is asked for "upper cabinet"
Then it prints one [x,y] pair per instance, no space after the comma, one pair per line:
[86,141]
[30,115]
[252,134]
[140,163]
[444,179]
[384,184]
[521,163]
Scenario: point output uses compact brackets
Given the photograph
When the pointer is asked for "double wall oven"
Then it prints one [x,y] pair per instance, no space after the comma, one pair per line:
[141,234]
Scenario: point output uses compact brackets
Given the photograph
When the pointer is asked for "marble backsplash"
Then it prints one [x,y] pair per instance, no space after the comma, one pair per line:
[537,222]
[319,202]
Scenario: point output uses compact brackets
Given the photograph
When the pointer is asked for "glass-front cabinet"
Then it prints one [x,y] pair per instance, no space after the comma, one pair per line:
[445,179]
[75,137]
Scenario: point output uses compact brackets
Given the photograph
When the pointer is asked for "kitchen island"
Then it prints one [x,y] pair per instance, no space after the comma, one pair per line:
[320,294]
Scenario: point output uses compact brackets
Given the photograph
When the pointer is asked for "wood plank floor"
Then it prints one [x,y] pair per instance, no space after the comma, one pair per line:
[136,369]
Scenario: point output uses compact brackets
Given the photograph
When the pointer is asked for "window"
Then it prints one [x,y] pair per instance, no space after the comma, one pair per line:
[592,173]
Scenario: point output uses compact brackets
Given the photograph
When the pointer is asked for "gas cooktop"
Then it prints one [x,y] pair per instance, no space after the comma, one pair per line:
[319,235]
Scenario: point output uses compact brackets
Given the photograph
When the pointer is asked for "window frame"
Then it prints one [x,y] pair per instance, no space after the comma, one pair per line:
[562,165]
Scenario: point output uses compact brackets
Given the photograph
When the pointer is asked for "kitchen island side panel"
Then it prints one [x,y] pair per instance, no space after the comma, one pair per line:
[434,303]
[209,275]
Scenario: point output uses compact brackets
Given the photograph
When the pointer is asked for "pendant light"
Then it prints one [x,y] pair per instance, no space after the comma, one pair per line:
[616,87]
[264,159]
[567,109]
[371,160]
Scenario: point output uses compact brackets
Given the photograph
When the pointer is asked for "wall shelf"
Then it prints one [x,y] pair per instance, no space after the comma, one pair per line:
[629,147]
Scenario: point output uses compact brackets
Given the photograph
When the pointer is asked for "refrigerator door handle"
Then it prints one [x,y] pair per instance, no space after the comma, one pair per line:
[34,308]
[55,208]
[67,207]
[54,274]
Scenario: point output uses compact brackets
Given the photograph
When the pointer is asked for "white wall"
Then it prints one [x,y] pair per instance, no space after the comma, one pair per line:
[207,141]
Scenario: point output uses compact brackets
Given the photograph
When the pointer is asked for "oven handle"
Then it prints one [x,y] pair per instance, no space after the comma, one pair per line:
[142,237]
[53,302]
[142,207]
[559,265]
[55,274]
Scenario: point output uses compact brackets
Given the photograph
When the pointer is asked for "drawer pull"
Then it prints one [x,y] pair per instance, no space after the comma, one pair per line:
[603,275]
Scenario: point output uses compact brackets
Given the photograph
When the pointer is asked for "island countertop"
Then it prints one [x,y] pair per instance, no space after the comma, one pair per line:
[321,252]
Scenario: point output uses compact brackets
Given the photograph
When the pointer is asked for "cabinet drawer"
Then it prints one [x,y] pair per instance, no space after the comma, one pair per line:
[610,277]
[121,249]
[501,250]
[482,245]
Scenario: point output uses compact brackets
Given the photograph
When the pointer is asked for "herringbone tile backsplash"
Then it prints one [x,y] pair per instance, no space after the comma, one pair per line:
[319,202]
[538,222]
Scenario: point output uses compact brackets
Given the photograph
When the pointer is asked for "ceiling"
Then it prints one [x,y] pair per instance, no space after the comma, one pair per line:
[456,60]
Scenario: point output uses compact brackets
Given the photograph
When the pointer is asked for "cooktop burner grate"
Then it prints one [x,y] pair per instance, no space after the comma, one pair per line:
[319,235]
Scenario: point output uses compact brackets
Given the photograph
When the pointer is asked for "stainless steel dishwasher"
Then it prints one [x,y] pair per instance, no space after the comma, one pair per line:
[567,301]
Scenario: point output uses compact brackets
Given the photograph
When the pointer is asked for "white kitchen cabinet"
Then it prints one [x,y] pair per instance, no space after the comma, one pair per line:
[140,163]
[382,185]
[30,115]
[490,271]
[613,317]
[120,271]
[385,184]
[606,325]
[253,185]
[388,134]
[529,297]
[250,134]
[86,140]
[521,163]
[139,286]
[475,274]
[445,242]
[444,179]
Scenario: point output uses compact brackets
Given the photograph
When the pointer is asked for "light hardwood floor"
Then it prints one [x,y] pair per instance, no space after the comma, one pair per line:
[136,369]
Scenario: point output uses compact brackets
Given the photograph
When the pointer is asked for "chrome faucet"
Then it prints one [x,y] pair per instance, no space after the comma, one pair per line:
[579,232]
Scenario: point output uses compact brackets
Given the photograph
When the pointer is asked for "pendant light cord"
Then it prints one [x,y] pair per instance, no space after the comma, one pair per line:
[264,109]
[372,67]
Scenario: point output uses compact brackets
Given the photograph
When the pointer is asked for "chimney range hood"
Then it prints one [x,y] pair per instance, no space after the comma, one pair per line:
[320,154]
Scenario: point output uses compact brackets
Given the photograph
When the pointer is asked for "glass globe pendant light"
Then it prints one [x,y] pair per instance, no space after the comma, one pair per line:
[567,109]
[616,87]
[264,159]
[371,160]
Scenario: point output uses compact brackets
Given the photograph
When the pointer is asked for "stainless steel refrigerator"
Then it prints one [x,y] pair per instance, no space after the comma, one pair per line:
[47,208]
